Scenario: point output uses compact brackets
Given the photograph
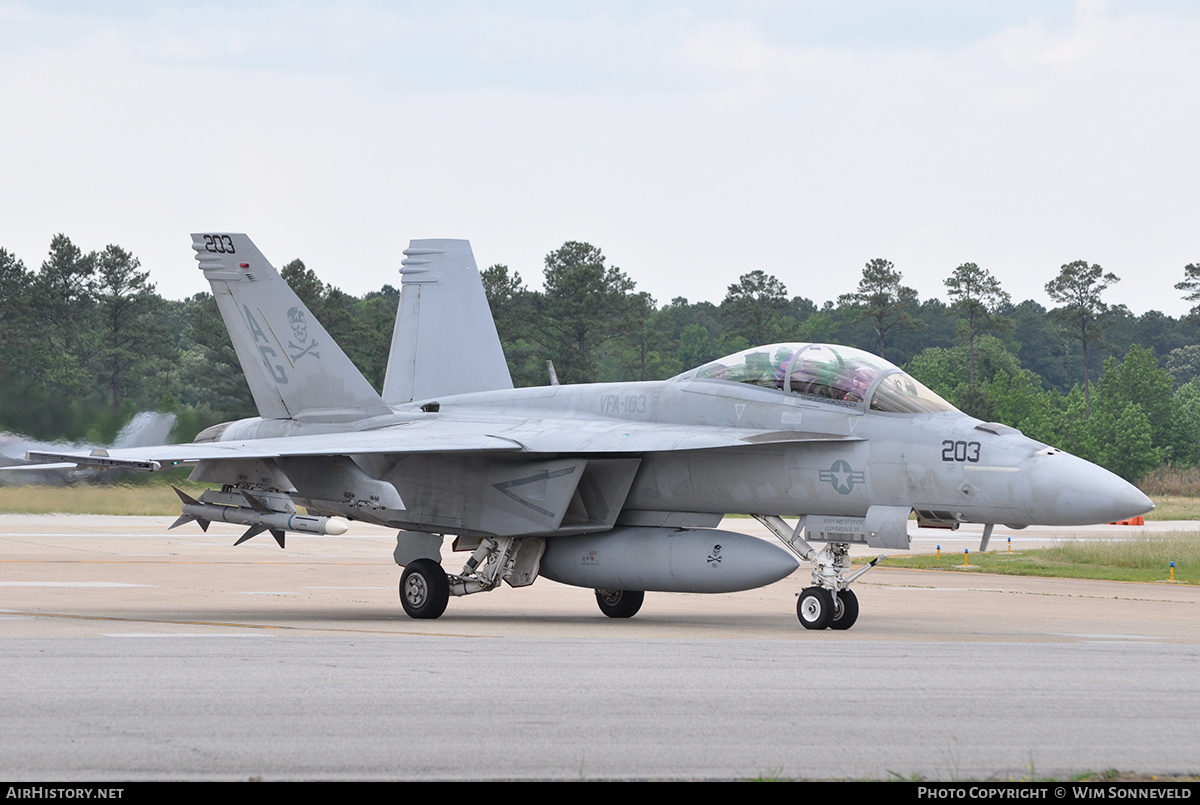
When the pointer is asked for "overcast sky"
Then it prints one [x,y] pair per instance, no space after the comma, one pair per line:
[691,142]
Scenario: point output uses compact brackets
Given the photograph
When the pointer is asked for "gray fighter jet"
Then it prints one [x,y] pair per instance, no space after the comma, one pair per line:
[612,486]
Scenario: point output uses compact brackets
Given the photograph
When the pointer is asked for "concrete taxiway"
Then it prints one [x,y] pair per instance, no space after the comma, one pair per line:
[131,652]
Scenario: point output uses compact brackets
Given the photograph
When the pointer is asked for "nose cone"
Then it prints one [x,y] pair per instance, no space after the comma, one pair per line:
[1070,491]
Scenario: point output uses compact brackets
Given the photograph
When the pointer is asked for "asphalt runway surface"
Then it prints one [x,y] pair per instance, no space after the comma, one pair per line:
[128,652]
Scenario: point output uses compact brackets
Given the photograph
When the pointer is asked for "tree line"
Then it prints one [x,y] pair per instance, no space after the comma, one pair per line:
[86,342]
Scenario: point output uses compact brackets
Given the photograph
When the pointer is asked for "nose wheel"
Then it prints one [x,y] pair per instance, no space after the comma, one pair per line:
[845,610]
[819,609]
[815,608]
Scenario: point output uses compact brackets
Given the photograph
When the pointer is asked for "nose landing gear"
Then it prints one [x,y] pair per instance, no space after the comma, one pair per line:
[829,603]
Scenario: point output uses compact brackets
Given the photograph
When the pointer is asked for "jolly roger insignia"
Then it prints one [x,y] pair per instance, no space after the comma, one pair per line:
[842,478]
[300,332]
[714,556]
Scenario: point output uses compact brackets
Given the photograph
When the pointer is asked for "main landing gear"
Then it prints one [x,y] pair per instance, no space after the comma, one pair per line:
[829,603]
[425,587]
[620,603]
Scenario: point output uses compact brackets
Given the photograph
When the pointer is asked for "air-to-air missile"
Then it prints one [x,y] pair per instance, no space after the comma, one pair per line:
[222,507]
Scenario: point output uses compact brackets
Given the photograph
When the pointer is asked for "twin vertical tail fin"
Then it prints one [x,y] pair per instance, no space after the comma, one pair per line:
[445,340]
[293,367]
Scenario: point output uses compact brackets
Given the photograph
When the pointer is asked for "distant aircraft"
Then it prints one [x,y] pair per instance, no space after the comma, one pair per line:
[612,486]
[146,428]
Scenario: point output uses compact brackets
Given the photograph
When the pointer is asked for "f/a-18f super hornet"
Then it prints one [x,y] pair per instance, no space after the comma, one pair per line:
[612,486]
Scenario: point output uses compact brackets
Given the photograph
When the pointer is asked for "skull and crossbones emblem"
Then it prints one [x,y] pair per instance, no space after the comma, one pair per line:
[300,331]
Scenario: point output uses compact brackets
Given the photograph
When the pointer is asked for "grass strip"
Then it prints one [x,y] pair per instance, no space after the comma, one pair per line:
[1145,558]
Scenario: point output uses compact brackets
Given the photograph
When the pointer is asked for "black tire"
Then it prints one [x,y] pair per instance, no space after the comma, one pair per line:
[815,608]
[620,603]
[845,611]
[424,589]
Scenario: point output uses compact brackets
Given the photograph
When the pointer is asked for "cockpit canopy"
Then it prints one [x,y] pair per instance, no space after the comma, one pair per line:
[832,374]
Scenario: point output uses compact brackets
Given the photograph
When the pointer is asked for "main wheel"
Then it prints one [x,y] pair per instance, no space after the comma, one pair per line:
[815,608]
[424,589]
[620,603]
[845,611]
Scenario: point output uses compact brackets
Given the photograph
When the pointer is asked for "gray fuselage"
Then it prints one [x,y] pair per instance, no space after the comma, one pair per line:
[827,457]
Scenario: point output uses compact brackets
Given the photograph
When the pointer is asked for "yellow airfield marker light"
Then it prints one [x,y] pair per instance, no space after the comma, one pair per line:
[966,556]
[939,554]
[1010,544]
[1172,571]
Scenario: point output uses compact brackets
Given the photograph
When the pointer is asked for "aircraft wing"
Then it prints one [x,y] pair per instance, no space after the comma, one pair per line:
[448,436]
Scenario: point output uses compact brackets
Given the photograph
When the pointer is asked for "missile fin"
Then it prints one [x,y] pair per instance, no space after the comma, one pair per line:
[278,535]
[183,518]
[184,497]
[256,504]
[250,532]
